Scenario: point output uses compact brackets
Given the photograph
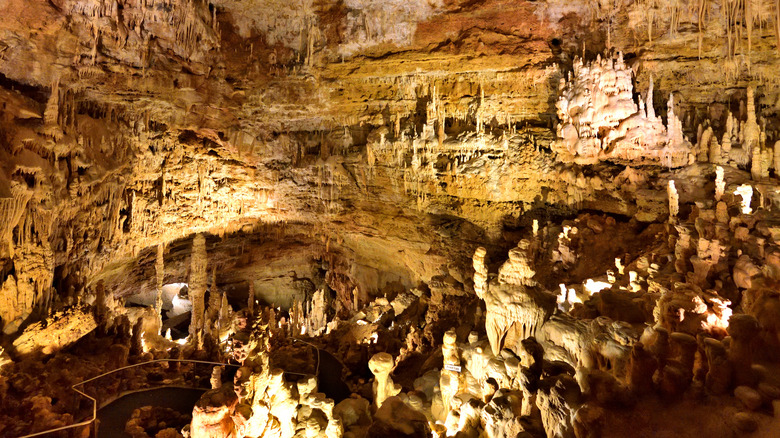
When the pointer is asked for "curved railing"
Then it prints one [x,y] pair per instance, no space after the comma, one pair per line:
[91,421]
[317,367]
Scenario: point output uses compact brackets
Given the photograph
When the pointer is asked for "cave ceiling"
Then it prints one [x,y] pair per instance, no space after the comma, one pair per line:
[394,136]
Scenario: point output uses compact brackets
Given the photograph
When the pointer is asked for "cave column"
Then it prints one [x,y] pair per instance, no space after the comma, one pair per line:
[159,268]
[215,302]
[251,298]
[197,288]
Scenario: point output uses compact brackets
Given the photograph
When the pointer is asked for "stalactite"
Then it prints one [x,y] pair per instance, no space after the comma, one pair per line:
[749,23]
[11,211]
[650,18]
[727,13]
[52,111]
[674,17]
[777,25]
[702,12]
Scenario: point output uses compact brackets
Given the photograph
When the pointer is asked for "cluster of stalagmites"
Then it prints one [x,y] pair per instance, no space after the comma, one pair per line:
[666,323]
[698,314]
[601,121]
[261,400]
[545,367]
[35,390]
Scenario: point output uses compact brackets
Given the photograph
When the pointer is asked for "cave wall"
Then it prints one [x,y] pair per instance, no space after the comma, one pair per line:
[394,137]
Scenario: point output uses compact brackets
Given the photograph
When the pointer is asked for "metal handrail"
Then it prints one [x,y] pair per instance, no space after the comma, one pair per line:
[316,368]
[94,401]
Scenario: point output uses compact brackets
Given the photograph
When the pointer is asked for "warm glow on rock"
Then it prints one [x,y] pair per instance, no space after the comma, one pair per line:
[357,218]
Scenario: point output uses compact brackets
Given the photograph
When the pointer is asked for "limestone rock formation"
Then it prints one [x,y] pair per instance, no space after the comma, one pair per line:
[387,218]
[211,417]
[381,365]
[600,119]
[513,301]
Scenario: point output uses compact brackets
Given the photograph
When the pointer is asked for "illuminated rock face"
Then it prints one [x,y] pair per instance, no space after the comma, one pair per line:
[574,203]
[211,417]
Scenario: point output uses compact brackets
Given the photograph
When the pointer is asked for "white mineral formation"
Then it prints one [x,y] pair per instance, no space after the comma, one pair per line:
[601,121]
[619,265]
[480,272]
[283,403]
[517,270]
[751,134]
[381,365]
[514,303]
[449,382]
[720,183]
[216,377]
[600,343]
[745,191]
[674,200]
[316,313]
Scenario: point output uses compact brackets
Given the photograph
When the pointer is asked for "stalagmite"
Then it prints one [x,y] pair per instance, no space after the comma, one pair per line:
[674,201]
[449,380]
[776,159]
[719,374]
[755,163]
[283,403]
[513,301]
[480,272]
[715,152]
[381,365]
[216,377]
[251,298]
[529,372]
[720,183]
[704,145]
[51,113]
[213,307]
[751,134]
[743,329]
[641,369]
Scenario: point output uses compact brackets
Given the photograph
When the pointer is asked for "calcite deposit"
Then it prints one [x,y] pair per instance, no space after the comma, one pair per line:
[391,218]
